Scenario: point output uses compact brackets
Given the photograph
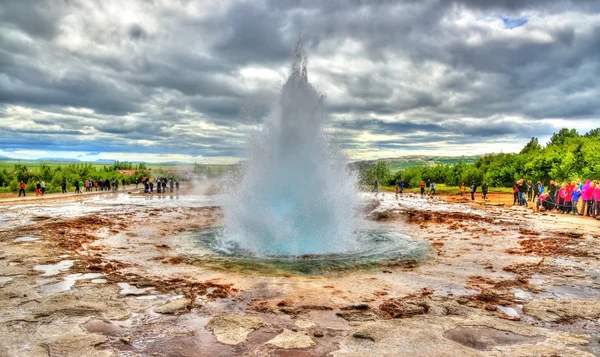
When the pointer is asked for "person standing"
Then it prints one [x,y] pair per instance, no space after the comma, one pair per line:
[171,185]
[22,187]
[596,199]
[586,199]
[177,186]
[43,187]
[522,190]
[422,186]
[473,190]
[562,193]
[536,191]
[38,189]
[484,190]
[63,186]
[462,189]
[428,185]
[432,189]
[123,182]
[529,190]
[553,190]
[401,184]
[575,196]
[569,196]
[515,193]
[136,182]
[80,186]
[375,186]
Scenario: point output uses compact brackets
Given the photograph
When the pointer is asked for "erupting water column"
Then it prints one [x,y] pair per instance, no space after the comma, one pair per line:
[296,196]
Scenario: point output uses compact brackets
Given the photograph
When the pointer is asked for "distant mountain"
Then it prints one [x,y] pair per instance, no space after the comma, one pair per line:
[55,159]
[105,161]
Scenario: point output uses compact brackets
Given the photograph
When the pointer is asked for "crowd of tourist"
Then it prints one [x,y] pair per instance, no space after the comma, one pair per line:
[90,185]
[162,185]
[564,198]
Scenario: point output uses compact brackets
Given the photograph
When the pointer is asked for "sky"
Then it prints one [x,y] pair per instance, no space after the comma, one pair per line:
[167,80]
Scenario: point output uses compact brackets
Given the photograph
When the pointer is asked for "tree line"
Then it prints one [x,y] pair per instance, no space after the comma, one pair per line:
[567,156]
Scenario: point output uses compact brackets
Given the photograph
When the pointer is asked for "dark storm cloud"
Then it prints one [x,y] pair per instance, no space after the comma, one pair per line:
[36,18]
[189,76]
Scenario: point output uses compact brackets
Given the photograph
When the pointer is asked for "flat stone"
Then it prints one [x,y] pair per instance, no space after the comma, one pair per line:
[67,304]
[233,329]
[174,307]
[563,309]
[304,324]
[76,345]
[102,327]
[485,338]
[292,340]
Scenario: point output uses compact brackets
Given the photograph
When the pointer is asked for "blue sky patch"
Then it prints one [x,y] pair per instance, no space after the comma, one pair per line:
[512,22]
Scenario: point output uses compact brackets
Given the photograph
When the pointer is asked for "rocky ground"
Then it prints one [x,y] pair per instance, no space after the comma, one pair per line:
[121,275]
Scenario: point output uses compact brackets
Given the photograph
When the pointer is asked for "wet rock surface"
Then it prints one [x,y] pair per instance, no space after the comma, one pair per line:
[502,283]
[233,329]
[291,340]
[485,338]
[178,306]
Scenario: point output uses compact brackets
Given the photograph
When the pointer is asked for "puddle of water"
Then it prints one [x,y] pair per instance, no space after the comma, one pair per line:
[67,283]
[564,261]
[572,292]
[54,269]
[522,294]
[99,281]
[147,297]
[25,239]
[508,311]
[61,286]
[5,279]
[127,289]
[536,280]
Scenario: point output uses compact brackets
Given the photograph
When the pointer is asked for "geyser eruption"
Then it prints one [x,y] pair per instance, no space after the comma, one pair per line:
[296,196]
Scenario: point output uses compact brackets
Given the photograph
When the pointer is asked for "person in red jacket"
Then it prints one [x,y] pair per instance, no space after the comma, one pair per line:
[422,186]
[22,188]
[568,207]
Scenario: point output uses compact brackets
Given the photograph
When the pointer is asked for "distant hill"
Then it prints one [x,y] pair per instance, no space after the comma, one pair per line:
[54,159]
[403,162]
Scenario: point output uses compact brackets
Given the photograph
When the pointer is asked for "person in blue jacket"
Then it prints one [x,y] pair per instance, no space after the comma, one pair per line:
[575,196]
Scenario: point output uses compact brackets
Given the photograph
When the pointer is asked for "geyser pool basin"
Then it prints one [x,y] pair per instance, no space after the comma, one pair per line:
[373,247]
